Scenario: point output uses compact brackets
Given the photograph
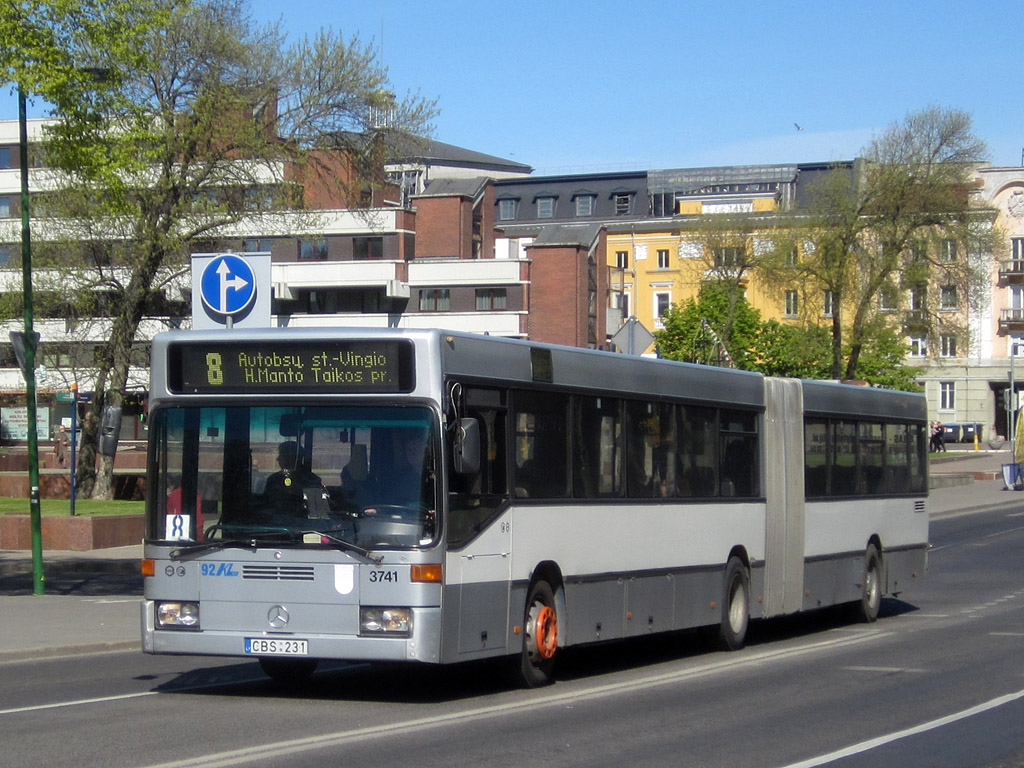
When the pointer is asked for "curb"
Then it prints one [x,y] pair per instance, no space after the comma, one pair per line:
[63,651]
[21,566]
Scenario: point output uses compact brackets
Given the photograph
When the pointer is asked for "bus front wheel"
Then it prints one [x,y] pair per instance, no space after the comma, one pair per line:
[871,587]
[732,633]
[540,636]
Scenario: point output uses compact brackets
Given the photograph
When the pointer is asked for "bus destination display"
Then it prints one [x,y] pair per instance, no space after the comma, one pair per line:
[328,366]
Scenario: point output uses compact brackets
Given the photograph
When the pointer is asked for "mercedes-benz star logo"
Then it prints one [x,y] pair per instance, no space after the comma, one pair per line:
[277,617]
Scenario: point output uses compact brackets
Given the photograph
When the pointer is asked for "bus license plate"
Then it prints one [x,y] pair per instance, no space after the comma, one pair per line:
[262,646]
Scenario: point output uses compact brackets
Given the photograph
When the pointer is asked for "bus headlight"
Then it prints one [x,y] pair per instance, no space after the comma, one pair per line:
[177,615]
[385,621]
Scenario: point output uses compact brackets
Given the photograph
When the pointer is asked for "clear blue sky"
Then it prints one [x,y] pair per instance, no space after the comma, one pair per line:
[600,85]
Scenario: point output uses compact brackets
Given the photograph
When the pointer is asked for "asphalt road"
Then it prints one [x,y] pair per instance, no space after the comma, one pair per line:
[938,681]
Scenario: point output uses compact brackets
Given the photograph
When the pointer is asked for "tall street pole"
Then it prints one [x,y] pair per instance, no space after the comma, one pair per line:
[35,515]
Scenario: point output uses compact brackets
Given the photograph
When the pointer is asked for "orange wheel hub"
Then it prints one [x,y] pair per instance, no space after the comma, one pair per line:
[546,632]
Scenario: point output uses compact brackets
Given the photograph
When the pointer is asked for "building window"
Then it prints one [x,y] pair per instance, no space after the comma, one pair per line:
[623,203]
[947,298]
[1017,246]
[663,258]
[367,248]
[545,207]
[5,254]
[947,396]
[918,296]
[888,300]
[918,346]
[662,301]
[793,257]
[491,298]
[1016,343]
[259,199]
[791,304]
[947,251]
[507,209]
[585,205]
[5,157]
[314,249]
[5,207]
[728,257]
[257,245]
[828,299]
[947,343]
[435,300]
[919,252]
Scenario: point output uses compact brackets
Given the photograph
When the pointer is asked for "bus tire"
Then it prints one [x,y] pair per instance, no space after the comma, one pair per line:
[732,631]
[287,671]
[866,610]
[540,637]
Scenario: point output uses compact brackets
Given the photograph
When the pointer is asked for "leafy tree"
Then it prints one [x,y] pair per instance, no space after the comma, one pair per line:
[220,121]
[883,361]
[56,49]
[719,327]
[792,350]
[898,225]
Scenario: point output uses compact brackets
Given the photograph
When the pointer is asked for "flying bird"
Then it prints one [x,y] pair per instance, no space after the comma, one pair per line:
[797,126]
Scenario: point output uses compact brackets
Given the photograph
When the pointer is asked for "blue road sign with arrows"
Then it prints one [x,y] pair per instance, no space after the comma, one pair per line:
[228,285]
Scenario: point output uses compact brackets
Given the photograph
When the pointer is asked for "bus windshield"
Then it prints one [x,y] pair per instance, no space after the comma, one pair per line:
[303,476]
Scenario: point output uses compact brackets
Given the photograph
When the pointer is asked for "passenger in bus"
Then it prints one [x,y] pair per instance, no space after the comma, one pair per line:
[411,482]
[355,488]
[285,488]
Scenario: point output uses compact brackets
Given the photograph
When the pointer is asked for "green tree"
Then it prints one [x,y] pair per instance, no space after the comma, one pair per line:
[899,225]
[792,350]
[719,327]
[883,361]
[221,121]
[58,50]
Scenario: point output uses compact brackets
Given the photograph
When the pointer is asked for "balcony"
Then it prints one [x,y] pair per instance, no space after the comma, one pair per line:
[1011,271]
[311,275]
[1011,320]
[501,323]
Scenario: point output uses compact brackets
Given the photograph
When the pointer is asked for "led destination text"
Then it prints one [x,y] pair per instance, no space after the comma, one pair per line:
[328,367]
[323,368]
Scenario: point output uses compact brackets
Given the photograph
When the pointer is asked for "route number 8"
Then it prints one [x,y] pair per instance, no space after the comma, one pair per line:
[214,368]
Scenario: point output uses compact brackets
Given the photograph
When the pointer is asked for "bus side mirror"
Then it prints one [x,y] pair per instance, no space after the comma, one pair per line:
[466,448]
[110,430]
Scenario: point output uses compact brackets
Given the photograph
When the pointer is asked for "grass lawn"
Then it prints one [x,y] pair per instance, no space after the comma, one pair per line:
[83,507]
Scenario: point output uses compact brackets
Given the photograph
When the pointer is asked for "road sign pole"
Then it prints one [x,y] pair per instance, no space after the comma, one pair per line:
[35,516]
[74,441]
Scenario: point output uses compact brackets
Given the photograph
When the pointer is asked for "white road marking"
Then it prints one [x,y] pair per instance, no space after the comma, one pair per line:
[866,746]
[542,700]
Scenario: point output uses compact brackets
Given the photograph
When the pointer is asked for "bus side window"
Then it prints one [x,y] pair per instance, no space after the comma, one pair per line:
[541,445]
[474,498]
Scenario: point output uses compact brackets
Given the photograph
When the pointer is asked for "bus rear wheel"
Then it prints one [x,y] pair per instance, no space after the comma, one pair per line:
[871,587]
[540,637]
[732,631]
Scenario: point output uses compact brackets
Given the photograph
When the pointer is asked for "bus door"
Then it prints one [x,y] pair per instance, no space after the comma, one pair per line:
[480,527]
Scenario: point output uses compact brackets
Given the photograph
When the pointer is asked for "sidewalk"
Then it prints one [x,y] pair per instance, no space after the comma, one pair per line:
[92,598]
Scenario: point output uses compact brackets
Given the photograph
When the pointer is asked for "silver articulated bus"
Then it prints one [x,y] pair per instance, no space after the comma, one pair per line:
[424,496]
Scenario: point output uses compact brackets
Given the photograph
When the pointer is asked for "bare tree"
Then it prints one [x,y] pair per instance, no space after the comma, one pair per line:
[896,239]
[225,121]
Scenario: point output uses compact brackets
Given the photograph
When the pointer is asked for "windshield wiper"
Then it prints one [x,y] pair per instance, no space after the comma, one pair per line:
[348,546]
[192,549]
[250,541]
